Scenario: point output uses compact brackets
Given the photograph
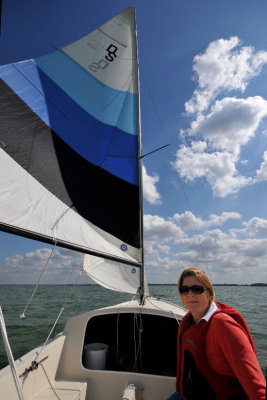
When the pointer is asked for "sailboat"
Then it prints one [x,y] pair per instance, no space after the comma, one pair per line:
[71,176]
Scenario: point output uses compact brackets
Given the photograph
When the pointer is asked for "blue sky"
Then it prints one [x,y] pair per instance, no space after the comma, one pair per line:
[203,78]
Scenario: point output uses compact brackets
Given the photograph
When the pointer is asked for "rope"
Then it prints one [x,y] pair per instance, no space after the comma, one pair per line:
[138,352]
[40,277]
[75,283]
[50,333]
[117,350]
[59,315]
[47,377]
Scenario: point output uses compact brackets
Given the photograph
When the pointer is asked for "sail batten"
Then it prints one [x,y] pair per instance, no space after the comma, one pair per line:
[70,135]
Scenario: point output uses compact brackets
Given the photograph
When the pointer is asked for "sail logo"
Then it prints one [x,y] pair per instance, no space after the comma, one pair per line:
[104,62]
[123,247]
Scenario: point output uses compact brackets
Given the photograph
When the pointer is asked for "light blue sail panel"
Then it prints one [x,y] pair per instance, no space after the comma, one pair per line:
[111,148]
[110,106]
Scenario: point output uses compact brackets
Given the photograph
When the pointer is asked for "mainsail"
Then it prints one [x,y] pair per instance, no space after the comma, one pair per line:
[69,156]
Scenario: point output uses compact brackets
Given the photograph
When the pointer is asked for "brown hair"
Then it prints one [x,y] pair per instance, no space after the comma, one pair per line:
[201,276]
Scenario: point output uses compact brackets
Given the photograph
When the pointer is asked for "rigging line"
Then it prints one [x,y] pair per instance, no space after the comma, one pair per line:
[186,199]
[47,377]
[154,105]
[50,333]
[61,311]
[194,225]
[138,348]
[117,349]
[154,151]
[72,288]
[37,284]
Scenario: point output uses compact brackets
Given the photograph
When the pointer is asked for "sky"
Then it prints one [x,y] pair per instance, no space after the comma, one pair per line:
[203,89]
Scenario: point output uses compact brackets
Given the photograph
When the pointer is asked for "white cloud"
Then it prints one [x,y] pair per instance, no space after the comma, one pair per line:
[27,268]
[223,252]
[226,257]
[188,221]
[261,173]
[230,124]
[254,227]
[221,134]
[218,168]
[159,230]
[164,249]
[149,188]
[224,66]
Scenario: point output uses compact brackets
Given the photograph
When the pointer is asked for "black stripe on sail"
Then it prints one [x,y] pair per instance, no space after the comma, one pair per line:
[103,199]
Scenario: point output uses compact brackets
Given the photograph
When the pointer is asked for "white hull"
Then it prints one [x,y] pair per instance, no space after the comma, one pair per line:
[64,363]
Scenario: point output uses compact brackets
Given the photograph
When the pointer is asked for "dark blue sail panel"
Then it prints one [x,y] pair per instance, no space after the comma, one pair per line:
[112,149]
[95,194]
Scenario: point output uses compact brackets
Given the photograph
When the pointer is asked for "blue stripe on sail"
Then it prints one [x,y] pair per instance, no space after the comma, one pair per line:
[112,149]
[118,108]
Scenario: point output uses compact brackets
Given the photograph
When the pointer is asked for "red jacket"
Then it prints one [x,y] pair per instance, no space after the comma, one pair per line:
[217,359]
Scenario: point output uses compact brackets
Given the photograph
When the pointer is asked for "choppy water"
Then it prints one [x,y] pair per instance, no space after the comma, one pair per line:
[25,334]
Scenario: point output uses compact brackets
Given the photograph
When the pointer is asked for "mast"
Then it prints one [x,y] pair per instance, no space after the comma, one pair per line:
[142,269]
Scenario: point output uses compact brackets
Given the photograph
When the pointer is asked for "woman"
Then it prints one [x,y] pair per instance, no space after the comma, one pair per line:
[216,353]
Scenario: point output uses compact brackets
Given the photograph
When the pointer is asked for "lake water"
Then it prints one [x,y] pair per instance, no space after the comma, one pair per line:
[25,334]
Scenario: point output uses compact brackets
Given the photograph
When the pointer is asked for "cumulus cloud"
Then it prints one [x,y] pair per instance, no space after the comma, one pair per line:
[159,230]
[224,253]
[218,139]
[188,221]
[230,124]
[218,168]
[224,66]
[164,249]
[226,258]
[261,173]
[222,128]
[236,255]
[149,188]
[254,227]
[27,267]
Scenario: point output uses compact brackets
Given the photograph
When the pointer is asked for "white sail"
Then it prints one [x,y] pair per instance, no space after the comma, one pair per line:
[70,148]
[114,276]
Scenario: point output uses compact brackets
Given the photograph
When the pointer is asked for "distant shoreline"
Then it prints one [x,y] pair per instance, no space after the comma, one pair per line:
[239,284]
[216,284]
[150,284]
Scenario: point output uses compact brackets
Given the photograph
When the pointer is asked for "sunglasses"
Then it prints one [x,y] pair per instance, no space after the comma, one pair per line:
[195,289]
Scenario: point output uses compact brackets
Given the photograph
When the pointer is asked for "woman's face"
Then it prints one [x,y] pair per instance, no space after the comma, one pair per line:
[198,304]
